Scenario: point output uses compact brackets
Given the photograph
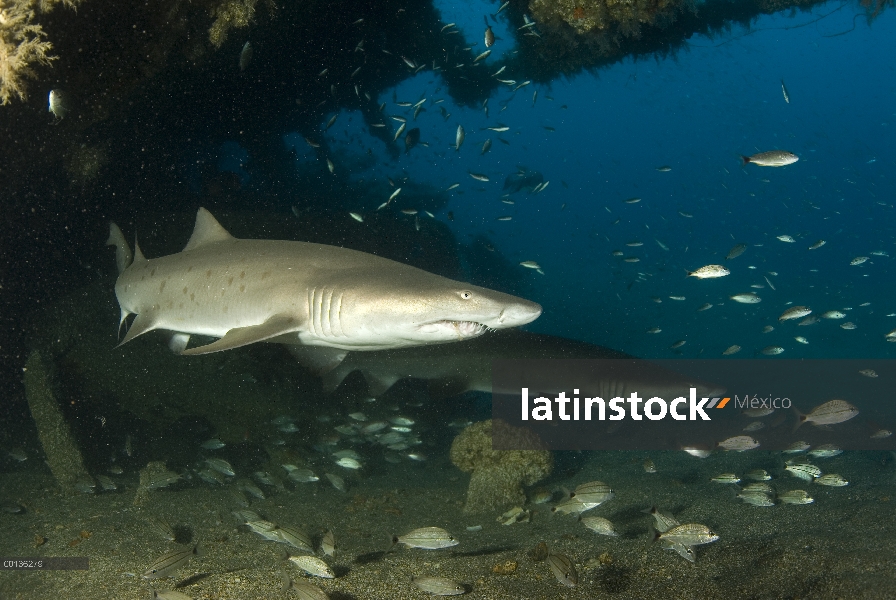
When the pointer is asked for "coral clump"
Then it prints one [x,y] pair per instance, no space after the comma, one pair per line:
[497,475]
[230,14]
[23,44]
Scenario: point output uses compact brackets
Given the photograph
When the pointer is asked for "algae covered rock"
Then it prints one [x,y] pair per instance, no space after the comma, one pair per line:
[60,448]
[498,476]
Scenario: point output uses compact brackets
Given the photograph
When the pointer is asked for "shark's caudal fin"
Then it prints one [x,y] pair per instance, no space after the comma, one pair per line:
[123,256]
[207,230]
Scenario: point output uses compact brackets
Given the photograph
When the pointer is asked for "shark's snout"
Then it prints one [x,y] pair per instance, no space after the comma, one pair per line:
[519,313]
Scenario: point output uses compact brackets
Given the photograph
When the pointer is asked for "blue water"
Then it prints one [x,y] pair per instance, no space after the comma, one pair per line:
[695,112]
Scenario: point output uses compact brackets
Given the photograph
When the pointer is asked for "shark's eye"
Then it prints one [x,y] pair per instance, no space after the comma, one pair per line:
[466,294]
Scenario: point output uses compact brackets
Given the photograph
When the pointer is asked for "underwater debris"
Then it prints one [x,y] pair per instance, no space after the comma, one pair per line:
[62,453]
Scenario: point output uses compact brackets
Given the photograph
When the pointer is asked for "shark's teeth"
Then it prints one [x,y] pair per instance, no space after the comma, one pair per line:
[470,328]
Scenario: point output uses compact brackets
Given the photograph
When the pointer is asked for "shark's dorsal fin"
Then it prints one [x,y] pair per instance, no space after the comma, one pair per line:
[207,230]
[243,336]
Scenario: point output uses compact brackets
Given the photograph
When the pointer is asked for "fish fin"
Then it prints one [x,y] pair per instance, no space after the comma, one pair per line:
[332,379]
[124,315]
[744,160]
[654,534]
[143,323]
[207,230]
[138,253]
[243,336]
[439,389]
[319,359]
[177,343]
[800,419]
[123,255]
[378,384]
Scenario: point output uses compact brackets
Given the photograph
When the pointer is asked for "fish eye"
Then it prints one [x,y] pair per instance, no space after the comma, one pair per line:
[466,294]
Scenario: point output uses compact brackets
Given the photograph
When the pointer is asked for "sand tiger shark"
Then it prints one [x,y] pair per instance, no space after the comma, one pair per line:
[452,369]
[328,298]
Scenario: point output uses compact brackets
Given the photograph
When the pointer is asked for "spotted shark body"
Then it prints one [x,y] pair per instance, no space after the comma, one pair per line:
[333,299]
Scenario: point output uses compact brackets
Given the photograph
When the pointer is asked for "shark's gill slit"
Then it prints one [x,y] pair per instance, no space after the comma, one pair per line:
[329,321]
[339,315]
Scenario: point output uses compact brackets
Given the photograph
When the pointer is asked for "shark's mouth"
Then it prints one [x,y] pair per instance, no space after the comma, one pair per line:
[462,329]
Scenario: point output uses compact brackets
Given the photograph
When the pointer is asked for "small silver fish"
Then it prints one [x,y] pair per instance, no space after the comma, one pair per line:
[600,526]
[795,312]
[773,158]
[831,480]
[829,413]
[709,272]
[58,103]
[482,56]
[738,443]
[221,466]
[439,586]
[313,566]
[459,137]
[336,481]
[690,534]
[563,569]
[796,497]
[428,538]
[747,298]
[168,563]
[736,251]
[489,34]
[245,56]
[328,543]
[804,471]
[305,590]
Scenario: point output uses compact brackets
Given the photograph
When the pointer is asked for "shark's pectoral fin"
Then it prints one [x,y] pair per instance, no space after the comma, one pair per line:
[242,336]
[143,323]
[319,359]
[377,384]
[439,389]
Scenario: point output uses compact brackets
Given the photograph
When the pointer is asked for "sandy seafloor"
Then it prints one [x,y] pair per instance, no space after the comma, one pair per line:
[842,546]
